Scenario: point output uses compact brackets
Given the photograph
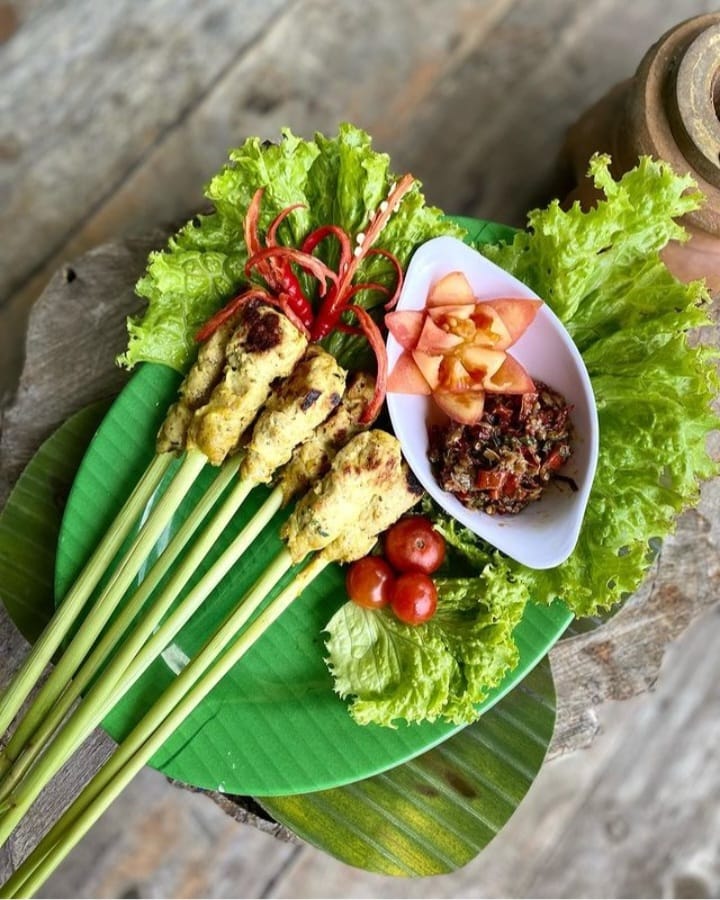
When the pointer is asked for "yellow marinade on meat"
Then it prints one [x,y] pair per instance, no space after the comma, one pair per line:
[300,404]
[196,389]
[362,472]
[400,493]
[311,460]
[264,346]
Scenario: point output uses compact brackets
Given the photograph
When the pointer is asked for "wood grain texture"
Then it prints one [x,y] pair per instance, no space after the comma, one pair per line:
[473,97]
[111,118]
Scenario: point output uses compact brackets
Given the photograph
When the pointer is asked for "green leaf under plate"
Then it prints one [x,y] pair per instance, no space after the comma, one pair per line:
[470,785]
[434,814]
[30,522]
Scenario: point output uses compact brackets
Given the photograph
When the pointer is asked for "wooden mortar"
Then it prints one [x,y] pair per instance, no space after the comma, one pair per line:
[669,110]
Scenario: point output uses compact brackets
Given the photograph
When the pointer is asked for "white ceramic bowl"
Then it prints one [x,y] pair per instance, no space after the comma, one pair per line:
[544,534]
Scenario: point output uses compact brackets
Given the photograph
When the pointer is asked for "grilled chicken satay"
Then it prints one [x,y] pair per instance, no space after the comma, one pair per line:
[365,470]
[196,389]
[264,346]
[401,492]
[292,414]
[311,460]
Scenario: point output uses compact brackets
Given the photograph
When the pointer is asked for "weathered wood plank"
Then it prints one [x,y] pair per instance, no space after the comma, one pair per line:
[463,102]
[475,102]
[163,849]
[83,112]
[88,90]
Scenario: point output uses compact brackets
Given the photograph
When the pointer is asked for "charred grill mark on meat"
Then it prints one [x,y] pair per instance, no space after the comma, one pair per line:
[311,460]
[195,390]
[264,332]
[412,484]
[362,482]
[311,397]
[506,460]
[264,346]
[288,419]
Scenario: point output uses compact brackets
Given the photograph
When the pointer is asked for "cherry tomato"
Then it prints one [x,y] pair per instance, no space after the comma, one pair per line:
[414,599]
[413,545]
[370,582]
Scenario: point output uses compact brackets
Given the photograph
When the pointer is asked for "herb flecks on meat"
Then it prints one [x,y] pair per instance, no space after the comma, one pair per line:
[508,458]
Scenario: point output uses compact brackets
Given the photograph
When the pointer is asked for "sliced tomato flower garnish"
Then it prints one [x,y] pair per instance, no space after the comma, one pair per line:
[458,346]
[406,377]
[451,290]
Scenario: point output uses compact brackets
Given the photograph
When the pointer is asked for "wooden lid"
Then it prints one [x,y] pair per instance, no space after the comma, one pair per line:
[672,108]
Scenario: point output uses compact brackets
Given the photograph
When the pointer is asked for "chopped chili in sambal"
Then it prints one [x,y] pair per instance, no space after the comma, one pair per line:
[508,458]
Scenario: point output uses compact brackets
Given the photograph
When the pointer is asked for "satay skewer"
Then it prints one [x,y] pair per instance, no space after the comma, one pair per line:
[298,406]
[194,392]
[389,491]
[234,375]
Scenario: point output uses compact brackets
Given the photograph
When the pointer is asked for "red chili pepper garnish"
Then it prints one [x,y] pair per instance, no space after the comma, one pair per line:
[275,271]
[348,329]
[271,238]
[375,339]
[338,301]
[391,303]
[319,235]
[229,310]
[273,262]
[305,261]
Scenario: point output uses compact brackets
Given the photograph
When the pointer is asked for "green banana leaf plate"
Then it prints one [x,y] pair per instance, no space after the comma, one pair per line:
[428,816]
[274,725]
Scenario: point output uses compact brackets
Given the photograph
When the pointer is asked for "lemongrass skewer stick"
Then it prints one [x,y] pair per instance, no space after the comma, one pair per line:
[34,730]
[287,419]
[103,607]
[393,493]
[72,605]
[235,348]
[319,518]
[190,688]
[67,741]
[138,651]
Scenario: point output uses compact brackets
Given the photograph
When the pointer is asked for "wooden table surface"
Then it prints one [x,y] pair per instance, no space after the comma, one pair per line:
[112,116]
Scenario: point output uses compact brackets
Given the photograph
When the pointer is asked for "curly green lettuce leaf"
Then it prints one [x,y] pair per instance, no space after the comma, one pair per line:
[443,668]
[601,272]
[339,180]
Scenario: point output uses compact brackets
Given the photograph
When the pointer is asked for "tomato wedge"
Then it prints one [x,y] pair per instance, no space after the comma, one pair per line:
[436,340]
[405,326]
[454,377]
[517,313]
[452,289]
[482,362]
[510,378]
[429,366]
[406,377]
[465,408]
